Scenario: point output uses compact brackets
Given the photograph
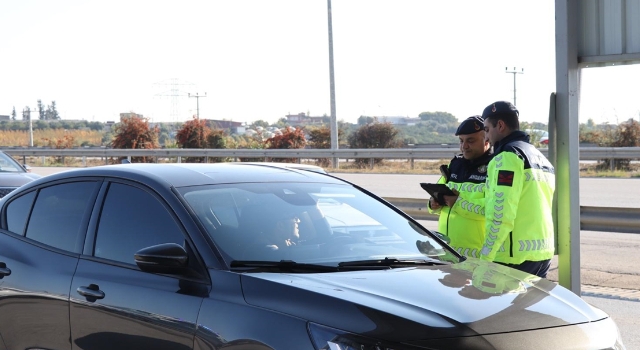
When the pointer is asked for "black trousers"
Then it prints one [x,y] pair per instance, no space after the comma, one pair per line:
[538,268]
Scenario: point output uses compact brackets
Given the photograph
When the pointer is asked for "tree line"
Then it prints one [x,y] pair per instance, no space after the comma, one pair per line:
[50,112]
[435,127]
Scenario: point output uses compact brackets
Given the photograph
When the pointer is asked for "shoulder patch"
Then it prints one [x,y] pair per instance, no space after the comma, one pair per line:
[505,178]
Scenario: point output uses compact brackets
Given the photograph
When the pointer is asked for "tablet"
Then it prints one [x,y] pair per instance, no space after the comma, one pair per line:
[437,191]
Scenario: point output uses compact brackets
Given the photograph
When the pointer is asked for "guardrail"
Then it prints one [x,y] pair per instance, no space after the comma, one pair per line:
[586,153]
[606,219]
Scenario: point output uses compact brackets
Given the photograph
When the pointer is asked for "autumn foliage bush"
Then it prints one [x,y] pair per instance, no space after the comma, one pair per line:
[289,138]
[135,133]
[626,134]
[196,134]
[193,134]
[374,135]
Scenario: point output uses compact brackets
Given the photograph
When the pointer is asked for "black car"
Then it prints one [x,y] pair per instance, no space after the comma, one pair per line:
[241,256]
[13,174]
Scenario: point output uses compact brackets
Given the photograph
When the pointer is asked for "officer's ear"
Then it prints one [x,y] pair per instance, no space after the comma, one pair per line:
[502,126]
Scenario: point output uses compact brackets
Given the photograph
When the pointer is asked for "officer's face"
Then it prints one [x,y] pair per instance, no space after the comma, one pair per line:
[473,145]
[495,133]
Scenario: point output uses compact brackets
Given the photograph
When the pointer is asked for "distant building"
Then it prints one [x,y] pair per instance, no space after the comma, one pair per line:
[302,119]
[222,124]
[241,130]
[231,126]
[108,126]
[398,120]
[5,117]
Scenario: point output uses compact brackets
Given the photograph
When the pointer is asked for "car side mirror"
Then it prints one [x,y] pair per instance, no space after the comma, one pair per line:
[169,258]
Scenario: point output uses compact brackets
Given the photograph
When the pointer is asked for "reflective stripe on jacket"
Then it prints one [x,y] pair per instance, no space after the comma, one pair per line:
[519,192]
[464,222]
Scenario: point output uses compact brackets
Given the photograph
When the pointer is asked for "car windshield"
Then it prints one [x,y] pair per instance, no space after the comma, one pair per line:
[308,223]
[9,165]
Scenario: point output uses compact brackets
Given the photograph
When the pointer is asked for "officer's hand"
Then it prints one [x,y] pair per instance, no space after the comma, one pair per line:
[451,200]
[433,204]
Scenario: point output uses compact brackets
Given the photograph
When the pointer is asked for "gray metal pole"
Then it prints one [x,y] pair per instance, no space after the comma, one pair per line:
[30,131]
[197,103]
[514,89]
[332,89]
[567,147]
[31,126]
[514,72]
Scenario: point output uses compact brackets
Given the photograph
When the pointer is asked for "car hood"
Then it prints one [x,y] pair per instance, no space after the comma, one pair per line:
[412,304]
[16,179]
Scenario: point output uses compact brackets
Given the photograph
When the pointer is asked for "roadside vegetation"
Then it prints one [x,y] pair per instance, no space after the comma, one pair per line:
[430,129]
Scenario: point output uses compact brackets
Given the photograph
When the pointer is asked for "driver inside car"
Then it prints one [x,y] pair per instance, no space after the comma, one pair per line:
[286,233]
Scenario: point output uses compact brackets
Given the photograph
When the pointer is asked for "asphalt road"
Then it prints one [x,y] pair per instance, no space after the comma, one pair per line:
[596,192]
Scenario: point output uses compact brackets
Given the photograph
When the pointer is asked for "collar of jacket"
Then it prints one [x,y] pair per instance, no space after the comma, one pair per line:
[485,158]
[516,135]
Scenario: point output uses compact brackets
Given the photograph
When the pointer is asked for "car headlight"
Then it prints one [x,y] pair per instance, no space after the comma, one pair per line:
[325,338]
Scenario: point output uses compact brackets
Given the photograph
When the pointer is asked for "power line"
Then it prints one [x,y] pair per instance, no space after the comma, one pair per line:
[174,93]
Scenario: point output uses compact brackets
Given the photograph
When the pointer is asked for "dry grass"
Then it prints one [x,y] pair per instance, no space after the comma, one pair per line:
[592,170]
[43,138]
[431,167]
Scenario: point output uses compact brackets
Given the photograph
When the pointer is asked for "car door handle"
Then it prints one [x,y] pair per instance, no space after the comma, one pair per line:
[4,270]
[92,291]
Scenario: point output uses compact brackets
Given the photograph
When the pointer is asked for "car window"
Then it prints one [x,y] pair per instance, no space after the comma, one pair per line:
[59,214]
[18,211]
[9,165]
[132,219]
[310,223]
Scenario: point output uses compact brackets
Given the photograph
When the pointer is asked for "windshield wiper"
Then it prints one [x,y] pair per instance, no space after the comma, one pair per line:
[292,266]
[389,263]
[280,266]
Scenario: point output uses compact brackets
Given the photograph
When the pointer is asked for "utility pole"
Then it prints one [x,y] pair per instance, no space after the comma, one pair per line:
[30,125]
[514,72]
[332,89]
[198,103]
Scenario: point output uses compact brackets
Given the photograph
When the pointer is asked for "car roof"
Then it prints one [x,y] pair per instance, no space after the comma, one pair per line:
[298,166]
[193,174]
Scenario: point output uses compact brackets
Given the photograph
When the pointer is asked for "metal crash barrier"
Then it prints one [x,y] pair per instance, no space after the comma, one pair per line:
[606,219]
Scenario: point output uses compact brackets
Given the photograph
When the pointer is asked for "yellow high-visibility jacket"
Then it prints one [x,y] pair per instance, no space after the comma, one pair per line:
[519,194]
[464,222]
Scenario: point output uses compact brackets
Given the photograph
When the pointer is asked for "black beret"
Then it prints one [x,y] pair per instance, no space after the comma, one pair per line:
[470,125]
[500,108]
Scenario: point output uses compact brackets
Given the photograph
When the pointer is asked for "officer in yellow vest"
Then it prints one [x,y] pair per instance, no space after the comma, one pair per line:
[520,186]
[461,217]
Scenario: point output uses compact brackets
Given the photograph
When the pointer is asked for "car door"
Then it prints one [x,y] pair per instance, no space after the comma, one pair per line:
[40,241]
[116,305]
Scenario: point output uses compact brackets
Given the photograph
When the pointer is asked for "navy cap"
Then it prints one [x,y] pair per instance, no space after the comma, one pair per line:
[500,108]
[470,125]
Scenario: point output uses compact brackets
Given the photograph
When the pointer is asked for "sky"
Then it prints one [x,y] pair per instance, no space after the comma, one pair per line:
[259,59]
